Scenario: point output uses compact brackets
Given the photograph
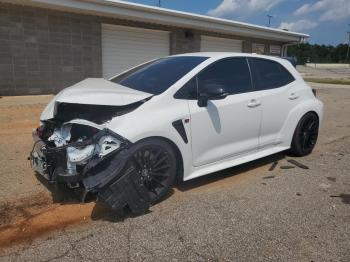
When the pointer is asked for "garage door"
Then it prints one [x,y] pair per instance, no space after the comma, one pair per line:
[125,47]
[217,44]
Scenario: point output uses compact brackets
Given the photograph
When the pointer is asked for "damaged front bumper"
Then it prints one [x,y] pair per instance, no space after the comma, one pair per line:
[97,165]
[72,163]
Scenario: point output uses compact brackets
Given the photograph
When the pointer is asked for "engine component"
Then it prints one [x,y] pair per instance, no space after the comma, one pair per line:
[107,145]
[77,155]
[61,135]
[96,113]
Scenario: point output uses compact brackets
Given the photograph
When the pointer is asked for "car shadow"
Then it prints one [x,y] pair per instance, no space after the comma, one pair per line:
[100,211]
[103,212]
[229,172]
[63,195]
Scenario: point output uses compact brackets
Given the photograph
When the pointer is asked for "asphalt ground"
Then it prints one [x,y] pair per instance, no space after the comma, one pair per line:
[245,213]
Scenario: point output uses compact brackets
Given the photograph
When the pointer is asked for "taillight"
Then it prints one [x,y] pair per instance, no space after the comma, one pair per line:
[314,92]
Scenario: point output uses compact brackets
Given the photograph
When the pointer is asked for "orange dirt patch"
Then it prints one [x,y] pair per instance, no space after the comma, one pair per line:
[54,217]
[32,217]
[16,210]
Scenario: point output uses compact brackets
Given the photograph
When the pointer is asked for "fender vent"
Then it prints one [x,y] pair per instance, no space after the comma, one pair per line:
[179,126]
[314,92]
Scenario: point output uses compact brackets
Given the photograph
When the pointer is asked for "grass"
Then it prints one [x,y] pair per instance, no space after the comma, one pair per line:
[340,81]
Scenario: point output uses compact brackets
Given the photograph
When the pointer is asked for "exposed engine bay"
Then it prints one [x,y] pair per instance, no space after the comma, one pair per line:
[98,114]
[76,149]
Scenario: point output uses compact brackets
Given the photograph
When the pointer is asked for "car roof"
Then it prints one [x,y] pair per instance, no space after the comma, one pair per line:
[230,54]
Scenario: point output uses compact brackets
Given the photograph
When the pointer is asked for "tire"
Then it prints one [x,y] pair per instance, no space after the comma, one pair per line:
[305,135]
[155,161]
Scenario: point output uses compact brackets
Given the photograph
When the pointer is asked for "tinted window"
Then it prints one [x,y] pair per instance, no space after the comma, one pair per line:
[269,74]
[188,91]
[230,73]
[159,75]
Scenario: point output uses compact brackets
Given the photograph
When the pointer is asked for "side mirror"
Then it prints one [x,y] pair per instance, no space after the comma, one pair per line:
[211,92]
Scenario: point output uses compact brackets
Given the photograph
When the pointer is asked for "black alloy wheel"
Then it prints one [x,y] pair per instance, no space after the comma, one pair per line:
[155,162]
[305,135]
[309,133]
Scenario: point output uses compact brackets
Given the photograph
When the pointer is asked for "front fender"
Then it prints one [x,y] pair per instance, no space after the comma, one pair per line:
[148,121]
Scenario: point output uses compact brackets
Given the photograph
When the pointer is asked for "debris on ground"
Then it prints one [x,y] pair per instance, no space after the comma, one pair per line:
[345,197]
[287,167]
[298,194]
[268,177]
[298,164]
[333,179]
[272,167]
[340,156]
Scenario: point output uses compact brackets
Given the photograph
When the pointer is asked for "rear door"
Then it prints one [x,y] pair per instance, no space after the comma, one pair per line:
[274,86]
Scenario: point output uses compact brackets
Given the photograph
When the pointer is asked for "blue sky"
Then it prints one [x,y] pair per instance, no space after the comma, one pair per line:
[325,20]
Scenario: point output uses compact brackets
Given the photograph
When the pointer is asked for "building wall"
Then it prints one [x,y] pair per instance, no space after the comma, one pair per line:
[184,41]
[43,51]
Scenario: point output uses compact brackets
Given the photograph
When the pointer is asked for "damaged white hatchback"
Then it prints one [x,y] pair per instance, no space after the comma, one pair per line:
[128,138]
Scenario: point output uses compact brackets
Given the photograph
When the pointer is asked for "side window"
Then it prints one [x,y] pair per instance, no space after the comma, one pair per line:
[230,73]
[188,91]
[269,74]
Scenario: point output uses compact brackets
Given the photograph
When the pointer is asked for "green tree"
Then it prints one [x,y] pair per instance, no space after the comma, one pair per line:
[308,53]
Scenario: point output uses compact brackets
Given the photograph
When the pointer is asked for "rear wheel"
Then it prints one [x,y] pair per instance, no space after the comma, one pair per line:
[155,162]
[305,135]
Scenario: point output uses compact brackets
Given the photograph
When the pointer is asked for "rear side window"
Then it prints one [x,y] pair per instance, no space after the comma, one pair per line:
[230,73]
[269,74]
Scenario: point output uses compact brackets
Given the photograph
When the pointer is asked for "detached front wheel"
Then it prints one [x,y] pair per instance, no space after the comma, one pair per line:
[155,162]
[305,135]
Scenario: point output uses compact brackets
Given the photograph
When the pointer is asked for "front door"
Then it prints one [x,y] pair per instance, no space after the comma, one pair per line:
[229,126]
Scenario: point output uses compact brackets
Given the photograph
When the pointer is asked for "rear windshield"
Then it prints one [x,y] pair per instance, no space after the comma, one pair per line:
[157,76]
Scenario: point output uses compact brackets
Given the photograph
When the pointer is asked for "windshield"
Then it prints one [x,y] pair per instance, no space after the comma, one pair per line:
[157,76]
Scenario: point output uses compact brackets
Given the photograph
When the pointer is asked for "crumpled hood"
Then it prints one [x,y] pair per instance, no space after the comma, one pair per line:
[99,91]
[95,91]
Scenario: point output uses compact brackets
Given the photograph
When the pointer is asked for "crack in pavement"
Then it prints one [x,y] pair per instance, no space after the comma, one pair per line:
[72,248]
[128,236]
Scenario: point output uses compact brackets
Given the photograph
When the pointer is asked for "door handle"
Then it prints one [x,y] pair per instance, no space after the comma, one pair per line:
[254,103]
[293,96]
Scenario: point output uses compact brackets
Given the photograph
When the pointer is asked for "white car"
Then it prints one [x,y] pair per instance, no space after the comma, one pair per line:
[128,138]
